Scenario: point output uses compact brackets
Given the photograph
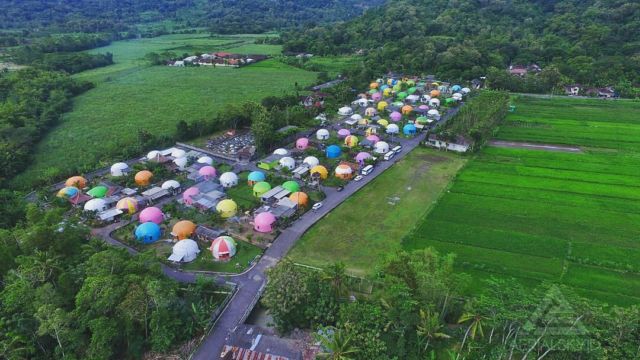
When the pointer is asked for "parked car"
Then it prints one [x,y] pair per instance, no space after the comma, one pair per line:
[317,206]
[340,188]
[358,178]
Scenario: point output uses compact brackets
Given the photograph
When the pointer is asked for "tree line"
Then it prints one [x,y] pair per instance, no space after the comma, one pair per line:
[588,42]
[422,308]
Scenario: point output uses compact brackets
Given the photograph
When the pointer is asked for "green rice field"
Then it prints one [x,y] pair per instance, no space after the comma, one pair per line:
[571,218]
[131,95]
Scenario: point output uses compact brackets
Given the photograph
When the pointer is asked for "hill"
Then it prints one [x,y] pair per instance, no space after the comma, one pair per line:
[222,16]
[589,42]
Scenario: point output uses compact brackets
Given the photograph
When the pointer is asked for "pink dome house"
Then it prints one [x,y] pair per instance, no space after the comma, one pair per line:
[151,214]
[302,143]
[189,193]
[362,156]
[208,172]
[376,96]
[373,138]
[396,116]
[263,222]
[343,133]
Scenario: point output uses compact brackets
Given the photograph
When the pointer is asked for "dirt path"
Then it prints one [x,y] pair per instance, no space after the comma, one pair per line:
[525,145]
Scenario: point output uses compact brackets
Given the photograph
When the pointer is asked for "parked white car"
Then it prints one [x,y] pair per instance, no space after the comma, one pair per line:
[317,206]
[357,178]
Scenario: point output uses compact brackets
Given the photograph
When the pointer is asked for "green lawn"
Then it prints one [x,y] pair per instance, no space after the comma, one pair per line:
[372,222]
[132,96]
[572,218]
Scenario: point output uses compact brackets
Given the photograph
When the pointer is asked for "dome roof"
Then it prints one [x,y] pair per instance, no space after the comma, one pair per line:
[434,93]
[189,193]
[227,208]
[311,161]
[183,229]
[322,134]
[223,247]
[118,169]
[178,153]
[291,185]
[344,132]
[263,222]
[143,177]
[99,191]
[148,232]
[300,198]
[433,112]
[205,160]
[261,188]
[351,141]
[356,117]
[345,110]
[409,129]
[76,181]
[184,251]
[153,154]
[343,170]
[281,151]
[180,162]
[287,162]
[128,205]
[320,170]
[395,116]
[256,176]
[373,138]
[208,172]
[333,151]
[362,156]
[393,129]
[381,147]
[170,184]
[302,143]
[383,122]
[68,192]
[228,179]
[95,205]
[151,214]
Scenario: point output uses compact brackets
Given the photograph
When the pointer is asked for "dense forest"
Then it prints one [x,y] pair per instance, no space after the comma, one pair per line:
[585,41]
[222,16]
[420,309]
[64,297]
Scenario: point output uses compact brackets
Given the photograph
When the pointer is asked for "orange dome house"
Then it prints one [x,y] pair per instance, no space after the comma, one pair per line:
[435,93]
[76,181]
[183,229]
[407,109]
[143,178]
[300,198]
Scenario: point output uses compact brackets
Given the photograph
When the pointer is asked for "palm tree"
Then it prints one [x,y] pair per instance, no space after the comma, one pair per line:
[475,326]
[430,328]
[336,276]
[337,346]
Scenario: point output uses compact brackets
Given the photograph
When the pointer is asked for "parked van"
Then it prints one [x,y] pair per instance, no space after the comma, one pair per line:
[389,155]
[367,170]
[397,149]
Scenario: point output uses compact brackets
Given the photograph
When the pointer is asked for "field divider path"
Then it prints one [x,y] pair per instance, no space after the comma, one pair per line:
[533,146]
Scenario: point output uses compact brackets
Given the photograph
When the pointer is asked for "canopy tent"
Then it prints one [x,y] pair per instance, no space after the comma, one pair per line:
[264,222]
[184,251]
[381,147]
[311,161]
[227,208]
[255,177]
[99,191]
[291,186]
[119,169]
[333,151]
[151,214]
[187,195]
[183,229]
[287,163]
[128,205]
[351,141]
[143,178]
[302,143]
[322,134]
[228,179]
[223,248]
[148,232]
[319,171]
[205,160]
[170,185]
[261,188]
[76,181]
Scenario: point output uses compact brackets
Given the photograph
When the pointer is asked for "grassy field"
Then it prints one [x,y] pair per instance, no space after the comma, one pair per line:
[132,96]
[572,218]
[372,222]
